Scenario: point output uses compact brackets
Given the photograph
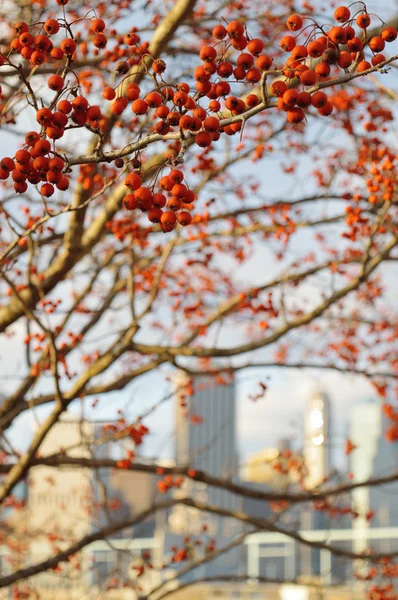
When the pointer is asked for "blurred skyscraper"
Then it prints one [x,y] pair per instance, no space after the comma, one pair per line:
[316,454]
[316,438]
[206,440]
[72,503]
[374,456]
[206,431]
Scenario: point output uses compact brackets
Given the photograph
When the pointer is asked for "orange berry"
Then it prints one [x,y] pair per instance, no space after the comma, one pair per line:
[139,107]
[295,115]
[168,218]
[377,44]
[319,99]
[287,43]
[363,21]
[68,46]
[294,22]
[364,65]
[98,26]
[55,83]
[133,181]
[342,14]
[235,29]
[51,26]
[184,218]
[108,93]
[389,34]
[219,32]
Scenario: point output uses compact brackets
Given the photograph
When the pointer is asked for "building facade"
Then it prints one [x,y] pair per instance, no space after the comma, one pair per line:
[66,503]
[373,456]
[317,438]
[206,439]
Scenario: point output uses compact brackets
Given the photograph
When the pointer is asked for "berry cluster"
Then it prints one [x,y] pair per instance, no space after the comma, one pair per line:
[35,165]
[169,482]
[324,54]
[198,113]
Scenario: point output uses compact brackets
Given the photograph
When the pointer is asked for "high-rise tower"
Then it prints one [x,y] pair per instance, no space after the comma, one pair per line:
[316,438]
[206,430]
[206,440]
[373,456]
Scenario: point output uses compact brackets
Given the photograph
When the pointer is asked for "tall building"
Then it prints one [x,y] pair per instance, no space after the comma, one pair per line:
[206,430]
[316,453]
[374,456]
[206,440]
[68,503]
[316,438]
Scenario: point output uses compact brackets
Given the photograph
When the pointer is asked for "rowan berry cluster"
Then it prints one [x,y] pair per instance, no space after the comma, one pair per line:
[169,482]
[180,201]
[136,431]
[189,548]
[323,55]
[198,113]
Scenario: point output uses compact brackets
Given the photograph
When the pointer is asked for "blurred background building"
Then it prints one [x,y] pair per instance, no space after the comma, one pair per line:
[270,466]
[206,440]
[59,503]
[373,456]
[317,438]
[67,503]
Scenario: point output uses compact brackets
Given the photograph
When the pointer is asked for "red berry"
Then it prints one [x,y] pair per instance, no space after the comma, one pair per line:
[211,124]
[139,107]
[109,93]
[255,46]
[235,29]
[168,218]
[63,183]
[55,83]
[363,21]
[377,44]
[47,190]
[389,34]
[22,157]
[80,104]
[287,43]
[42,147]
[155,215]
[295,115]
[51,26]
[153,99]
[364,65]
[342,14]
[97,26]
[308,78]
[100,40]
[219,32]
[263,62]
[64,106]
[294,22]
[119,105]
[208,53]
[176,176]
[184,218]
[203,139]
[319,99]
[133,181]
[68,46]
[278,88]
